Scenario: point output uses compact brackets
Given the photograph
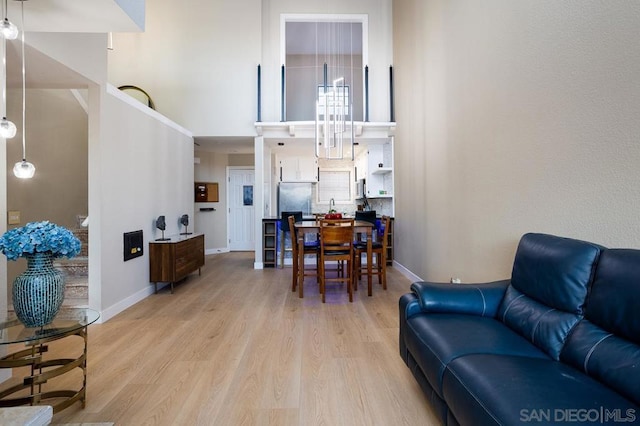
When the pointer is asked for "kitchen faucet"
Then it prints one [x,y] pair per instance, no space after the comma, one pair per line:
[332,202]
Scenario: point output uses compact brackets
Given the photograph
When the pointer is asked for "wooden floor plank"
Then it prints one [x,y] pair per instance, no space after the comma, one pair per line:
[236,346]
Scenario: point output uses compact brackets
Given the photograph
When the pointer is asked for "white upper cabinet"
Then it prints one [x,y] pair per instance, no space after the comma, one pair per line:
[379,180]
[298,169]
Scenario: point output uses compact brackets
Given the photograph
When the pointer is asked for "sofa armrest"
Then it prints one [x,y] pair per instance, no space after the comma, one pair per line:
[409,306]
[473,299]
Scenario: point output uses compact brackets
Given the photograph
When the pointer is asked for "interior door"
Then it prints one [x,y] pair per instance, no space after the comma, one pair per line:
[241,209]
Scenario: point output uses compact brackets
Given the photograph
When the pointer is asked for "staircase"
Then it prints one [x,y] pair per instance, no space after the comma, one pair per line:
[76,273]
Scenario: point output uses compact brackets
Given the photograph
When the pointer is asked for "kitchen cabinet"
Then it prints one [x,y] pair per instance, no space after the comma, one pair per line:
[379,180]
[298,169]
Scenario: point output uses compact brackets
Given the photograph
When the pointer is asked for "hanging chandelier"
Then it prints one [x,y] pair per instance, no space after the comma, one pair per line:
[334,105]
[7,28]
[23,169]
[8,31]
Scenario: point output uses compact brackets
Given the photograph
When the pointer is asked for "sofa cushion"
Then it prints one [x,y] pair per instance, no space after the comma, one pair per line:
[549,284]
[615,296]
[554,271]
[605,345]
[487,389]
[545,327]
[436,339]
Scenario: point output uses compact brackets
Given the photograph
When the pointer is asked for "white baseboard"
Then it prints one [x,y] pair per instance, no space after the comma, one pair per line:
[114,310]
[216,251]
[407,273]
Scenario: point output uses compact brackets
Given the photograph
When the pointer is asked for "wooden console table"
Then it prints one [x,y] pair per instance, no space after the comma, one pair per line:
[35,389]
[173,259]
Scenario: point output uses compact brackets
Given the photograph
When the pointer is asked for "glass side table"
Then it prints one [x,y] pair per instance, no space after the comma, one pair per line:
[68,322]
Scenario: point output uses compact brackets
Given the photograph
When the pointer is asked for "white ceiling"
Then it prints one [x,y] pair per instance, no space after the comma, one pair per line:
[224,145]
[88,16]
[68,16]
[41,71]
[244,145]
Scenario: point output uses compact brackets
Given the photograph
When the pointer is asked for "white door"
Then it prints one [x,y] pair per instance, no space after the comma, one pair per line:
[241,210]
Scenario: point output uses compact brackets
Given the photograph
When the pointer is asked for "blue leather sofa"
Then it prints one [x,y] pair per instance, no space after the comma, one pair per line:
[558,343]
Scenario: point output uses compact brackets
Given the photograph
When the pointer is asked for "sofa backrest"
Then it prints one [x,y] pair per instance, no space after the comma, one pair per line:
[606,343]
[549,284]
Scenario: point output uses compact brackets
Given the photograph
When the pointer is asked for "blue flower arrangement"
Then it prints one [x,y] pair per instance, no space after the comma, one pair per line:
[39,237]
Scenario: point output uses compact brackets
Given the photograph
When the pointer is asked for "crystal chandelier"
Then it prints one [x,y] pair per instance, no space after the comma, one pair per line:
[334,105]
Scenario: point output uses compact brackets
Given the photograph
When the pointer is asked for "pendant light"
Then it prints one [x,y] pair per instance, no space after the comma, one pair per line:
[334,104]
[23,169]
[7,128]
[7,28]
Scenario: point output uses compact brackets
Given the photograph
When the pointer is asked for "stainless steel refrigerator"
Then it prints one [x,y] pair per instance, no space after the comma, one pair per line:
[294,196]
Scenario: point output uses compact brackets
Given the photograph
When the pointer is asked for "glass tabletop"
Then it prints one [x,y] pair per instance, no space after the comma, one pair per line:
[67,320]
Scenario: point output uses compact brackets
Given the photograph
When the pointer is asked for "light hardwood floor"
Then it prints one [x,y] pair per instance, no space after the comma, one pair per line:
[237,347]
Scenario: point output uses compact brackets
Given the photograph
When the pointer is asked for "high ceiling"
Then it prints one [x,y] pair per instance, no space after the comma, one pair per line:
[225,145]
[87,16]
[64,16]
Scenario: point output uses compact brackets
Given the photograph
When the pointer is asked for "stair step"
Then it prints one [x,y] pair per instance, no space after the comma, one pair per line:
[76,266]
[76,292]
[70,302]
[76,280]
[76,270]
[83,235]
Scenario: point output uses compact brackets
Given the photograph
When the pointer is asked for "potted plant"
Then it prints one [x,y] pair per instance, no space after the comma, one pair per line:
[39,291]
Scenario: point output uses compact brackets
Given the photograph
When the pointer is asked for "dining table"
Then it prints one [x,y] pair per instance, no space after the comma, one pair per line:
[313,227]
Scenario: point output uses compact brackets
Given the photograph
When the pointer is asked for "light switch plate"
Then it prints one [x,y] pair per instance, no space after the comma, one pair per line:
[13,218]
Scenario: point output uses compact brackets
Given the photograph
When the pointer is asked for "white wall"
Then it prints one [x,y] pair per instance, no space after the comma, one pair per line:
[513,117]
[56,142]
[145,170]
[213,168]
[212,224]
[198,62]
[140,165]
[82,53]
[57,145]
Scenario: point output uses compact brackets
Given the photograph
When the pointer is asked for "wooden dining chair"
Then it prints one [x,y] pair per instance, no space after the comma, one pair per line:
[379,250]
[336,244]
[284,230]
[310,247]
[366,216]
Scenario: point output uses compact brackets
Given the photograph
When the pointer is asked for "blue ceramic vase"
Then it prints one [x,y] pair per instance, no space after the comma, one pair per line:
[39,291]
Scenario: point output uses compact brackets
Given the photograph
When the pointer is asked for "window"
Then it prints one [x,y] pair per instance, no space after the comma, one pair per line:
[334,184]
